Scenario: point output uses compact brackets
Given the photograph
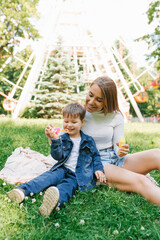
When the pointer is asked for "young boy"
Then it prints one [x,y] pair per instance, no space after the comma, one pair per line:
[78,161]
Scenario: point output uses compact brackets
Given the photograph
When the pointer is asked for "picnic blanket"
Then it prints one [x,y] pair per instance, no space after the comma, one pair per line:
[24,165]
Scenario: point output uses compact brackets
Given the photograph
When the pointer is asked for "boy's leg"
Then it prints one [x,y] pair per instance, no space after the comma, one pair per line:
[16,195]
[50,201]
[43,181]
[37,184]
[62,193]
[67,187]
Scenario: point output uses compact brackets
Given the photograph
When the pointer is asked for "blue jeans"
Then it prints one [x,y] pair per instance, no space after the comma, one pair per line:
[108,156]
[63,178]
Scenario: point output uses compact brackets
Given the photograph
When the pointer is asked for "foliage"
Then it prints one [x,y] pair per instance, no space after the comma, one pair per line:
[12,71]
[15,24]
[107,212]
[153,39]
[57,87]
[148,108]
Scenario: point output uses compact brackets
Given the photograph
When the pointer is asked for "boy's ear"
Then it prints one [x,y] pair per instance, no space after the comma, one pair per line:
[82,122]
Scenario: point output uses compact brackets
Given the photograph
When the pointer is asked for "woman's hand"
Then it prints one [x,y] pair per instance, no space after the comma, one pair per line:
[124,150]
[100,176]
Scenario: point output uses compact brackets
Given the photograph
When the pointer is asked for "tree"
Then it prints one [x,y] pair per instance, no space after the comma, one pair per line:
[153,39]
[15,24]
[57,87]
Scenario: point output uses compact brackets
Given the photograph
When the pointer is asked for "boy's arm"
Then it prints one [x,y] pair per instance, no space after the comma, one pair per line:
[97,164]
[98,167]
[47,132]
[100,176]
[56,149]
[56,145]
[54,140]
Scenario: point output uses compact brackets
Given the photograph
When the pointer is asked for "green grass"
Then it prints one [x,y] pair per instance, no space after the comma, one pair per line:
[107,213]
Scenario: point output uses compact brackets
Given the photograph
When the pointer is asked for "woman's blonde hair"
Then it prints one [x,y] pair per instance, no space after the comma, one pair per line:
[109,93]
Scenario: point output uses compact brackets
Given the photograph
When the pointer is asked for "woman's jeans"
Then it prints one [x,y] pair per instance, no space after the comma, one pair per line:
[63,178]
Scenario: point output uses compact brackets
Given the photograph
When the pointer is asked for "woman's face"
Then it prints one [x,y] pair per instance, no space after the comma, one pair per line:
[94,99]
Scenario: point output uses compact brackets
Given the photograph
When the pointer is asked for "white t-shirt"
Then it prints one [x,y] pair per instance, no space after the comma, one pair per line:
[72,160]
[105,130]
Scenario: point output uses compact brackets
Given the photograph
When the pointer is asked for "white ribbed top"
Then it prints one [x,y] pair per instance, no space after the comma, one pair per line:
[105,130]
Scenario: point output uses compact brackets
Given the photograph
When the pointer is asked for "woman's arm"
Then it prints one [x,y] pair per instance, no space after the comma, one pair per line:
[118,131]
[56,146]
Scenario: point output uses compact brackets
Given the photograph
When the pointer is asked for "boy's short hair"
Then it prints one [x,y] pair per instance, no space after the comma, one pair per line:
[74,110]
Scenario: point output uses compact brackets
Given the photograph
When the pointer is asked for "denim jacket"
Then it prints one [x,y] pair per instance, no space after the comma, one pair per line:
[88,161]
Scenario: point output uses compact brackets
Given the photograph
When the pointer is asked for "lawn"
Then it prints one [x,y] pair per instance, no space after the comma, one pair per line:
[103,213]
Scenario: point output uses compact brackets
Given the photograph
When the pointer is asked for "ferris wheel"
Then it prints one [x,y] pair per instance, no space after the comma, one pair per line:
[95,56]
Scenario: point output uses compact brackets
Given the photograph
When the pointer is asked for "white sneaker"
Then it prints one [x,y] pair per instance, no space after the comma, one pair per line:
[50,201]
[16,195]
[152,179]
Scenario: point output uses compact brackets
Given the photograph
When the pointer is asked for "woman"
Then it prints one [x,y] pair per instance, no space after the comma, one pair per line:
[104,122]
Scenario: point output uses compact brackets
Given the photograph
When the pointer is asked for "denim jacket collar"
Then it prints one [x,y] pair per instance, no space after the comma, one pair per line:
[66,137]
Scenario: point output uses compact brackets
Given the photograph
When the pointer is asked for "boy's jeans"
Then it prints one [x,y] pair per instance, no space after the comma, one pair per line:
[63,178]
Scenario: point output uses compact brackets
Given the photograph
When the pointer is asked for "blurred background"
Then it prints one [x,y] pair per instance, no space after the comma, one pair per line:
[51,50]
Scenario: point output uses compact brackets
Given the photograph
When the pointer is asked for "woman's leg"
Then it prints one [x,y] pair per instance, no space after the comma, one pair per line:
[143,162]
[128,181]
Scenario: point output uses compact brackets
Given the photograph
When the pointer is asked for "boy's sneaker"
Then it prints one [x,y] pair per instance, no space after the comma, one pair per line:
[50,201]
[16,195]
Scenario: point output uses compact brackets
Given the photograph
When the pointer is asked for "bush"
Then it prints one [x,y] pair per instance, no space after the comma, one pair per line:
[29,112]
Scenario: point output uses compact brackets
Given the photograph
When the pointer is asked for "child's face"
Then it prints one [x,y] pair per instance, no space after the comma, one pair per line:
[73,124]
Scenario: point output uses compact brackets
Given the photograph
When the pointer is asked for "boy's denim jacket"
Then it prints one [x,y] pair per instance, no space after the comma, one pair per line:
[88,161]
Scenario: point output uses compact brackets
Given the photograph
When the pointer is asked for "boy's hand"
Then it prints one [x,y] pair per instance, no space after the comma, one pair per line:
[50,132]
[47,130]
[53,134]
[100,176]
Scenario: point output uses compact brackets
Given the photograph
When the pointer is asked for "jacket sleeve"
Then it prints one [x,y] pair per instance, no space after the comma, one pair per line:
[56,149]
[97,164]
